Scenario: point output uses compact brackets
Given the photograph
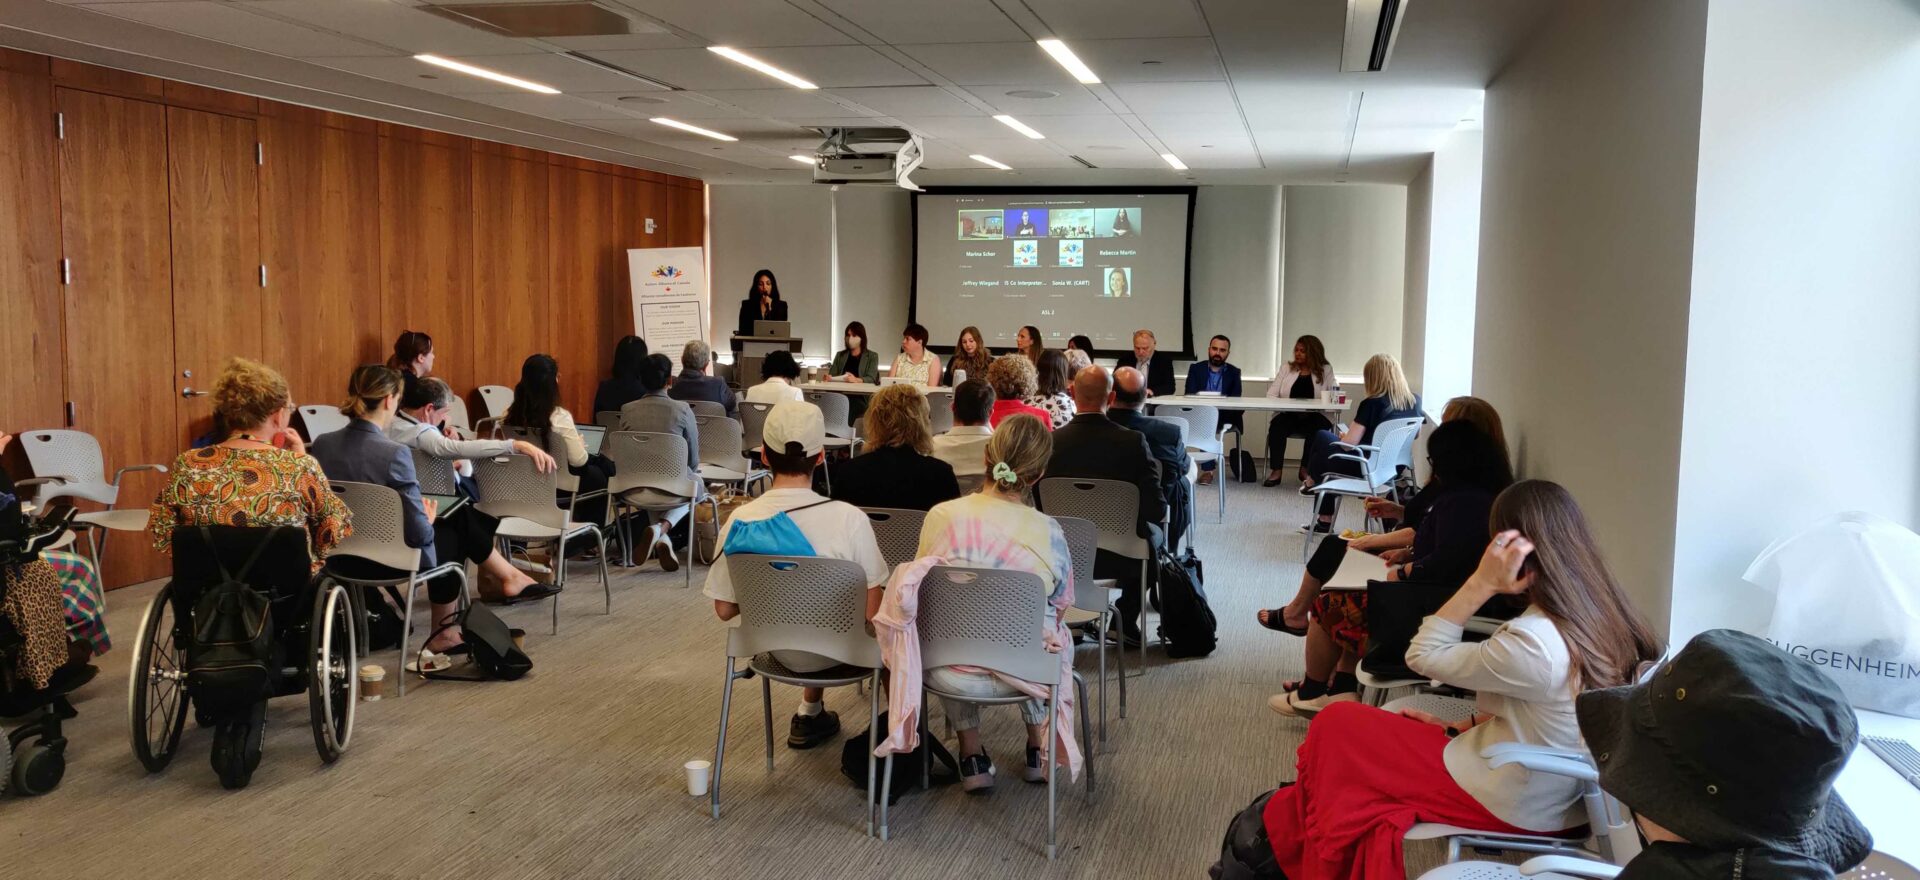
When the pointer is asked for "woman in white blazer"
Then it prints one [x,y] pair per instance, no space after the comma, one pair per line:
[1307,376]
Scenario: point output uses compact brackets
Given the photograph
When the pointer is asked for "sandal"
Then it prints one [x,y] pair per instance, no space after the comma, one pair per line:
[1276,621]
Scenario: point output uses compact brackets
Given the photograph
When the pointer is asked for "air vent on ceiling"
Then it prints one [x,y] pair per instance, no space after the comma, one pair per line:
[1372,27]
[610,67]
[1083,162]
[545,19]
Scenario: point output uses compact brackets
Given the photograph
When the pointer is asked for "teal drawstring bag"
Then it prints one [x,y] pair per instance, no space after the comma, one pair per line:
[777,535]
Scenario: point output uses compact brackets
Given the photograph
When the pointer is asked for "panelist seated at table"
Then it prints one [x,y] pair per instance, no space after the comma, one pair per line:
[1215,376]
[858,362]
[1306,377]
[1158,368]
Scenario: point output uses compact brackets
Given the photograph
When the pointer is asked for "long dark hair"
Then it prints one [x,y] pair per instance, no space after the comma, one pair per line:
[858,331]
[1035,345]
[1081,342]
[1053,372]
[1607,639]
[409,347]
[536,395]
[628,355]
[753,289]
[1316,356]
[1463,455]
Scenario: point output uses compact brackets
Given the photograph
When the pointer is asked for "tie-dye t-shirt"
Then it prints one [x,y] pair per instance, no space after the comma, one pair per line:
[987,532]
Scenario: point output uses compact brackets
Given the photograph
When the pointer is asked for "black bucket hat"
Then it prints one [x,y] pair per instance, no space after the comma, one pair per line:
[1732,743]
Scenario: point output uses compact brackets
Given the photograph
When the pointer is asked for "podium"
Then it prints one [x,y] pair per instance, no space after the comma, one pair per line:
[750,350]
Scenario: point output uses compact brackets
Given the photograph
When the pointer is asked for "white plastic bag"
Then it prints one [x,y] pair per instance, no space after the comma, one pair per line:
[1847,599]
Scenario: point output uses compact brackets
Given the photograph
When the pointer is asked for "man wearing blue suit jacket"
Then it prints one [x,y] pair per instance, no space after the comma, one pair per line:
[1215,374]
[1163,440]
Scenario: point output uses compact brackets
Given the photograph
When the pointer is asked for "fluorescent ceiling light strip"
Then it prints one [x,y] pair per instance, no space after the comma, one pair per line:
[986,161]
[1019,126]
[675,123]
[804,160]
[1070,61]
[739,57]
[484,73]
[1174,161]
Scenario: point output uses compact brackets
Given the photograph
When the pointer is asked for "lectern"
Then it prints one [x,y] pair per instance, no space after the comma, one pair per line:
[751,349]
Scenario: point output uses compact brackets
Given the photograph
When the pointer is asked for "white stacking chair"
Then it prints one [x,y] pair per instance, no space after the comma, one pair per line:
[897,532]
[1192,477]
[1093,604]
[496,398]
[810,604]
[1206,441]
[1380,464]
[940,409]
[1114,506]
[524,499]
[457,418]
[436,475]
[753,417]
[1609,836]
[379,536]
[707,408]
[721,439]
[73,467]
[651,476]
[991,618]
[834,411]
[322,419]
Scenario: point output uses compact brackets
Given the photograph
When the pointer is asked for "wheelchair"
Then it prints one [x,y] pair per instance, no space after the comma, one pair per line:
[314,650]
[33,755]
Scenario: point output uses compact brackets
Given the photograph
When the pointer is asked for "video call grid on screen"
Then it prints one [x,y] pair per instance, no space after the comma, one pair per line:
[1101,263]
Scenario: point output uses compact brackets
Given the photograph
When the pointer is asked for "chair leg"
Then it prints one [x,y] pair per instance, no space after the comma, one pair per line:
[766,716]
[606,584]
[1144,604]
[406,630]
[1101,639]
[873,742]
[1086,740]
[559,559]
[720,744]
[1053,776]
[886,792]
[1120,657]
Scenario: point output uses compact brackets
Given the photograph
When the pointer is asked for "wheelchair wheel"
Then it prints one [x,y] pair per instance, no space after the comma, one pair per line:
[38,767]
[333,684]
[157,701]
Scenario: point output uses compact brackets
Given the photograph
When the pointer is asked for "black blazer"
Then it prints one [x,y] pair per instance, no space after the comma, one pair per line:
[1159,371]
[1163,440]
[894,476]
[1093,446]
[750,312]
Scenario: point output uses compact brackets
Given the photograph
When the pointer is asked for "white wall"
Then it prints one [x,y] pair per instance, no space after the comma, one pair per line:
[1345,274]
[788,229]
[1237,232]
[1413,314]
[1453,270]
[1585,263]
[1803,371]
[873,241]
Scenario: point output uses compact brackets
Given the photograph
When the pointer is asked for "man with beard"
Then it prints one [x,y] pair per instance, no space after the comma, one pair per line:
[1216,375]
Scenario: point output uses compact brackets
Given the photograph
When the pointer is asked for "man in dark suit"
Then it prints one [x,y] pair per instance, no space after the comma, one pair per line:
[1215,374]
[1157,367]
[693,383]
[1163,440]
[1093,446]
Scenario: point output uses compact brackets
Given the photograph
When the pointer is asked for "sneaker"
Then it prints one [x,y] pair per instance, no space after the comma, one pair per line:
[663,552]
[1291,704]
[976,774]
[1036,769]
[808,731]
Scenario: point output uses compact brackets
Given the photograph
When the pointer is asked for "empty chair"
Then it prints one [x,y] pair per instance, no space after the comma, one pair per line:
[524,500]
[834,411]
[322,419]
[1093,604]
[497,398]
[1380,464]
[1206,439]
[1114,507]
[457,417]
[652,477]
[74,458]
[379,536]
[720,458]
[897,532]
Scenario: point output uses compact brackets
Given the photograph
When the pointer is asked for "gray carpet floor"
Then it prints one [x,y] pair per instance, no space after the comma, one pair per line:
[575,771]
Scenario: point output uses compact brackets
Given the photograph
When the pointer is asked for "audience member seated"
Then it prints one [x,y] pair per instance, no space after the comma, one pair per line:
[858,362]
[412,354]
[1365,776]
[65,580]
[970,355]
[1482,415]
[897,468]
[1027,344]
[1215,376]
[1388,398]
[536,408]
[260,475]
[915,363]
[1737,712]
[1093,446]
[830,529]
[423,405]
[1050,388]
[693,383]
[964,446]
[779,374]
[1450,531]
[1080,342]
[1163,439]
[1307,377]
[1158,368]
[657,413]
[624,387]
[1014,380]
[1077,360]
[996,528]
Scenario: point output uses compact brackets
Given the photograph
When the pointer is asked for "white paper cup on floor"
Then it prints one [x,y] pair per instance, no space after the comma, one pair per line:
[372,682]
[698,775]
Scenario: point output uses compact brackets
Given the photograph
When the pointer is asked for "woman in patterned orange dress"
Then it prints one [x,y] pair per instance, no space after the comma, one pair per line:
[260,475]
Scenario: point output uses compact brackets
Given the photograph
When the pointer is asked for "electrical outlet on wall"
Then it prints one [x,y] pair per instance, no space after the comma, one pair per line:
[649,225]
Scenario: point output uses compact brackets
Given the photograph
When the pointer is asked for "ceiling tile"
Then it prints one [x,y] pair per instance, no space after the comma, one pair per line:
[1086,129]
[826,66]
[929,21]
[405,28]
[841,66]
[1181,97]
[1073,20]
[743,23]
[409,72]
[1188,127]
[986,64]
[234,24]
[910,101]
[561,107]
[780,103]
[617,42]
[1071,100]
[1183,59]
[679,105]
[563,72]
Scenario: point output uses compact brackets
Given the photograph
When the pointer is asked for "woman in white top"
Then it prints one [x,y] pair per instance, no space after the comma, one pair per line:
[1366,776]
[1307,376]
[536,410]
[778,373]
[915,363]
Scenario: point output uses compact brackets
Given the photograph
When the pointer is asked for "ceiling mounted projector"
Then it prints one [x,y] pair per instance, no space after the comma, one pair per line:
[871,156]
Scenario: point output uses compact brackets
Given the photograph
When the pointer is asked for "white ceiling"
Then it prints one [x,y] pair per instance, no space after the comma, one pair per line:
[1244,91]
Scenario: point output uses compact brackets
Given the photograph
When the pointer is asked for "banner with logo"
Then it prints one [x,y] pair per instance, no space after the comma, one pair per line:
[669,296]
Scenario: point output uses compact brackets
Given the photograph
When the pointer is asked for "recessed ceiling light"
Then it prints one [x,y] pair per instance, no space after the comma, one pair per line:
[1173,160]
[986,161]
[739,57]
[1019,126]
[675,123]
[484,73]
[1033,94]
[804,160]
[1070,61]
[642,99]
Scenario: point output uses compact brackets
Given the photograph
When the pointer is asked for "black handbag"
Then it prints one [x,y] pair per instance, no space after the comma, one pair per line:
[490,644]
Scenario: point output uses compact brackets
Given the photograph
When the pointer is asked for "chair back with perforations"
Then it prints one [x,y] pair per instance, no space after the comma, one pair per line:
[553,445]
[513,486]
[986,617]
[457,415]
[322,419]
[720,442]
[436,475]
[1083,542]
[835,411]
[1111,505]
[644,460]
[707,408]
[1186,429]
[940,409]
[802,603]
[897,532]
[608,419]
[1202,421]
[753,417]
[74,455]
[497,398]
[379,526]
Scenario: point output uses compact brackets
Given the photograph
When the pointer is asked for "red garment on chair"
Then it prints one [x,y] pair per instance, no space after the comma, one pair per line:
[1366,776]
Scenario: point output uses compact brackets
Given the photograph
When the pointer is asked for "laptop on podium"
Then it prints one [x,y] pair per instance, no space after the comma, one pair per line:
[775,329]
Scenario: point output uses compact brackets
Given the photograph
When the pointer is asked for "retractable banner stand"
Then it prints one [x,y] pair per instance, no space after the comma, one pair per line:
[669,296]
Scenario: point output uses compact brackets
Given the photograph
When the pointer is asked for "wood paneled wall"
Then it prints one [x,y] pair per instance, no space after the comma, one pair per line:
[364,229]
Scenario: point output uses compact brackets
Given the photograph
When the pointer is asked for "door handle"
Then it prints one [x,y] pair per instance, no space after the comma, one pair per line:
[190,393]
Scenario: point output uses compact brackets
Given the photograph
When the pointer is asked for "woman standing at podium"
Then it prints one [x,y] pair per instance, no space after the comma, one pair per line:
[763,303]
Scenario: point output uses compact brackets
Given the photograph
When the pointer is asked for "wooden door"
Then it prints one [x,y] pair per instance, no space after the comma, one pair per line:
[214,183]
[119,303]
[32,395]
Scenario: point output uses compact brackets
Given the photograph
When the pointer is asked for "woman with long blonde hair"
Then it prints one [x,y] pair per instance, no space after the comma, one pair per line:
[1388,398]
